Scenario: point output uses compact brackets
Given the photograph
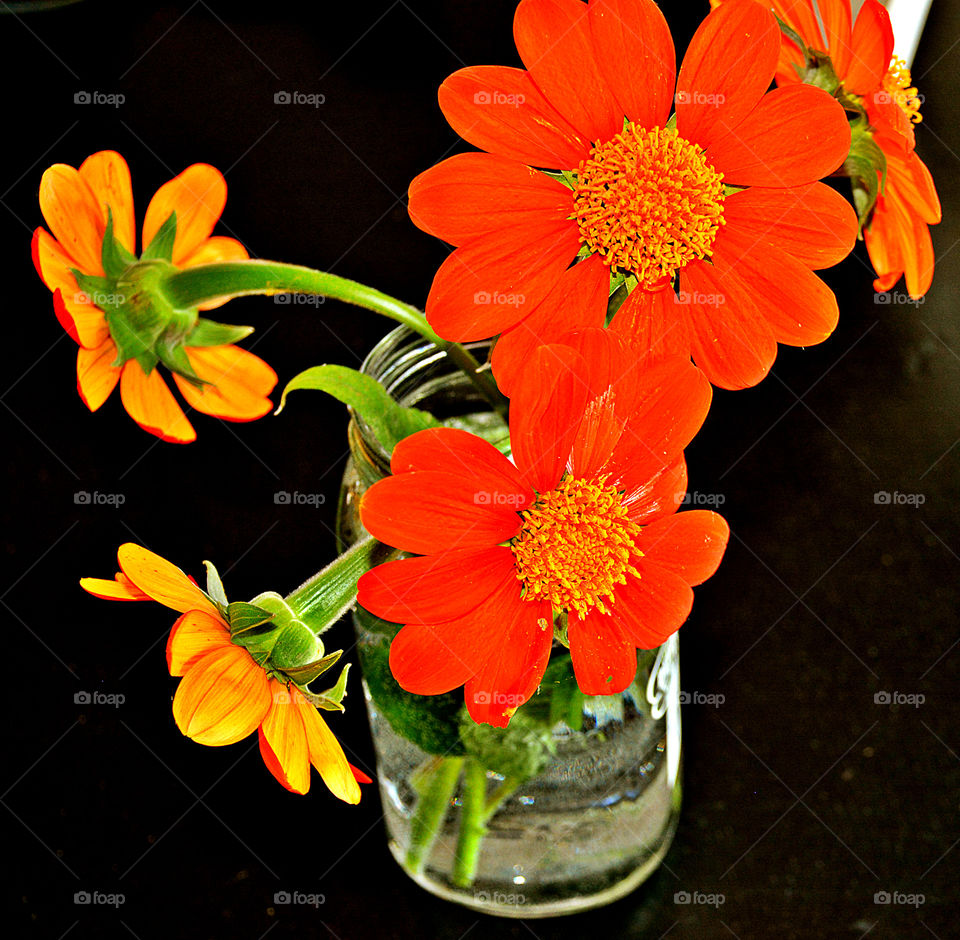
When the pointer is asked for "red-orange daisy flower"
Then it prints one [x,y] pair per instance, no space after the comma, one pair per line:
[897,235]
[583,523]
[723,199]
[224,694]
[77,205]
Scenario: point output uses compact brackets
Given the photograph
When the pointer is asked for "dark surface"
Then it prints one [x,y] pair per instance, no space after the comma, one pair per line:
[804,797]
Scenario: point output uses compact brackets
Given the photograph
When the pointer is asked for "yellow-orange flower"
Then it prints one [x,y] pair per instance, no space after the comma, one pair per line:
[224,695]
[75,204]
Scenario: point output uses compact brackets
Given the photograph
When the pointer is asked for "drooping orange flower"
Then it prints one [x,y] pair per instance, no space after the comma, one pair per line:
[75,205]
[584,178]
[897,235]
[224,695]
[584,523]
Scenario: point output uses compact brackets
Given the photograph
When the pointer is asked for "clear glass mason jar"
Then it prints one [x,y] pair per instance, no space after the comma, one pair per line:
[579,804]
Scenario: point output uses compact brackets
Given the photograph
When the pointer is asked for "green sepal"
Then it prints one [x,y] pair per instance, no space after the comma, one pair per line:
[173,356]
[161,248]
[210,333]
[244,617]
[215,589]
[332,699]
[304,675]
[295,645]
[389,421]
[866,165]
[113,256]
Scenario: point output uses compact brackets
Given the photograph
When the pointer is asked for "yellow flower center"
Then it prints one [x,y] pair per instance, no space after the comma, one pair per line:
[576,544]
[896,83]
[648,202]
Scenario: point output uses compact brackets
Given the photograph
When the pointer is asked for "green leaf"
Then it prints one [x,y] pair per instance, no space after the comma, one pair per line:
[244,617]
[113,256]
[521,750]
[161,248]
[215,589]
[389,421]
[429,721]
[210,333]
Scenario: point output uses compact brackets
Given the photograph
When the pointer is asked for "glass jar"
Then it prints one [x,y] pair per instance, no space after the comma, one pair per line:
[576,802]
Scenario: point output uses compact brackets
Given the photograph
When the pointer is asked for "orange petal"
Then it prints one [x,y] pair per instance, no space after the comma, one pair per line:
[239,383]
[198,196]
[97,377]
[870,49]
[216,248]
[74,215]
[108,176]
[326,754]
[222,698]
[163,581]
[193,636]
[77,314]
[283,740]
[122,589]
[150,403]
[835,15]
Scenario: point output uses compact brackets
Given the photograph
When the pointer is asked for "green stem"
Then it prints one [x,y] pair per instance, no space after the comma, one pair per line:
[507,788]
[323,599]
[191,286]
[435,789]
[473,827]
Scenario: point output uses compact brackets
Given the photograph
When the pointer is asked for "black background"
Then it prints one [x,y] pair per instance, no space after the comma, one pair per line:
[804,797]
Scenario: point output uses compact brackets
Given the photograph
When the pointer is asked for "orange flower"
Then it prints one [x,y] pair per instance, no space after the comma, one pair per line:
[586,176]
[897,236]
[224,694]
[75,205]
